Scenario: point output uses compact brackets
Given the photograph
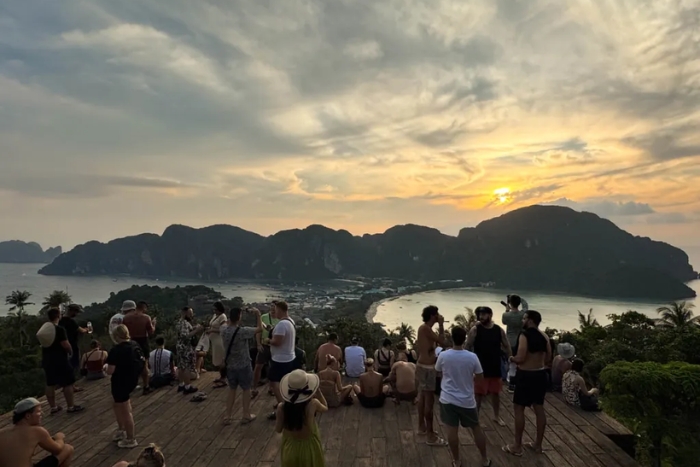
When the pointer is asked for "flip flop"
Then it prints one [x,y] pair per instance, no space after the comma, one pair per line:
[531,445]
[245,421]
[508,450]
[439,442]
[199,397]
[499,421]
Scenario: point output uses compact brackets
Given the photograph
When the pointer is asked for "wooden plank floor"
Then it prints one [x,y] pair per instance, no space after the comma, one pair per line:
[192,435]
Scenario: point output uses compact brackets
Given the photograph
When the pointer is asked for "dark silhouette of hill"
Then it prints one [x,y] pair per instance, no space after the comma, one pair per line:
[15,251]
[537,248]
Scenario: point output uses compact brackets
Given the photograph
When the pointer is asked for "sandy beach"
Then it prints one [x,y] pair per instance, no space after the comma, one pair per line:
[372,312]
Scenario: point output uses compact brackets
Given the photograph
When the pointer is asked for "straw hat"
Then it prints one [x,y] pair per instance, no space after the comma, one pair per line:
[566,350]
[298,386]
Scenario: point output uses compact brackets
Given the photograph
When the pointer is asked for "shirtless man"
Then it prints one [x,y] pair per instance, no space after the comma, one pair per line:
[403,380]
[329,348]
[17,444]
[371,391]
[534,349]
[426,375]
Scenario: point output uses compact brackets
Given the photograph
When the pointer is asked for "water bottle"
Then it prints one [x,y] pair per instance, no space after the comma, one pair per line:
[89,327]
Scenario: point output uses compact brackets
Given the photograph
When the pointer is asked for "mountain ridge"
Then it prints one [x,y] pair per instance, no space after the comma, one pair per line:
[17,251]
[538,247]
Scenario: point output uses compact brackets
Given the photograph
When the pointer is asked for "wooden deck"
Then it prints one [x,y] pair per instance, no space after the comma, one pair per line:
[192,435]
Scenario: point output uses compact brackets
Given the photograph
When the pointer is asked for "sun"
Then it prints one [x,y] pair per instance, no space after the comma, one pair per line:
[502,194]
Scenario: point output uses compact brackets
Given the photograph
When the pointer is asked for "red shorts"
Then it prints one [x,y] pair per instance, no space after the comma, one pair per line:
[488,386]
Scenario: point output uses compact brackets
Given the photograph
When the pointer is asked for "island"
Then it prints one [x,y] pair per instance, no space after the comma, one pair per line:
[546,248]
[16,251]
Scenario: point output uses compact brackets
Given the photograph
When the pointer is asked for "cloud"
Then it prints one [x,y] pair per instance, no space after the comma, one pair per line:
[606,208]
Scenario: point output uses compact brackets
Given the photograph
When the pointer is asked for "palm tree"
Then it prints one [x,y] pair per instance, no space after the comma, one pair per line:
[56,299]
[465,320]
[677,314]
[19,299]
[406,332]
[587,321]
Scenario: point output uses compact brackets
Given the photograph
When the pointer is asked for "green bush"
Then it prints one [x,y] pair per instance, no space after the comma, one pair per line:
[661,402]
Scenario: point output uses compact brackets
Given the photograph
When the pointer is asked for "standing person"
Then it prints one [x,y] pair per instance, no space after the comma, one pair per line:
[460,371]
[73,333]
[216,343]
[141,327]
[282,349]
[488,341]
[534,350]
[330,347]
[296,420]
[162,363]
[332,384]
[561,364]
[125,363]
[264,355]
[18,443]
[185,351]
[384,358]
[93,362]
[236,359]
[56,352]
[127,307]
[426,374]
[513,319]
[355,358]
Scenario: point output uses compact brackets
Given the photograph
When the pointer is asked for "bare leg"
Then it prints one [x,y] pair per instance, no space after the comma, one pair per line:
[519,415]
[245,402]
[541,424]
[118,416]
[276,390]
[144,376]
[480,441]
[356,389]
[230,401]
[184,376]
[68,394]
[479,400]
[429,398]
[128,418]
[345,392]
[453,442]
[51,396]
[496,403]
[65,456]
[257,373]
[421,412]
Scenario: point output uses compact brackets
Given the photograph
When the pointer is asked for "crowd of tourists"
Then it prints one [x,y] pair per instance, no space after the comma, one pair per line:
[462,369]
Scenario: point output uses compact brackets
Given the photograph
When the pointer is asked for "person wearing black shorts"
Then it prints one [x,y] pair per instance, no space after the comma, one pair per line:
[534,350]
[125,363]
[282,345]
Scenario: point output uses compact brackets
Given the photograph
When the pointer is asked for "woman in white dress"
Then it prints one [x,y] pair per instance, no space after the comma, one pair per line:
[216,344]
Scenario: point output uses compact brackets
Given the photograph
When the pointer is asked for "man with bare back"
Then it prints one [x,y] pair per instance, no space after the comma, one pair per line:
[426,375]
[403,380]
[329,348]
[18,443]
[534,350]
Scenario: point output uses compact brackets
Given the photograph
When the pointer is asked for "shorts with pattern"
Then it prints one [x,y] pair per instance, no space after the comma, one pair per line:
[185,357]
[240,377]
[426,378]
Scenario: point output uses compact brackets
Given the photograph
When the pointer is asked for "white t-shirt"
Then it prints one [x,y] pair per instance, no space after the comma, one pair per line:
[115,321]
[355,361]
[284,353]
[159,361]
[458,368]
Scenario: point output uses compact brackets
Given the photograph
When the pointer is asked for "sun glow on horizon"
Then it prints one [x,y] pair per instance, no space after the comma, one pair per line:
[502,194]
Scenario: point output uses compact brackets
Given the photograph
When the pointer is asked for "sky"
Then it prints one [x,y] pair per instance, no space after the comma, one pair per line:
[118,118]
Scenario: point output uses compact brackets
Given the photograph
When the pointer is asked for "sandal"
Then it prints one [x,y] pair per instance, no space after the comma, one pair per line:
[56,409]
[199,397]
[509,450]
[245,421]
[531,445]
[75,409]
[219,384]
[439,442]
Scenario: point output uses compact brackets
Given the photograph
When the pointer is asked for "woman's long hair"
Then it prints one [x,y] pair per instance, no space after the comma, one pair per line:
[294,415]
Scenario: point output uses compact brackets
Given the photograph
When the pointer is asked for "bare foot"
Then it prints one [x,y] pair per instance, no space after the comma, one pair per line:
[537,449]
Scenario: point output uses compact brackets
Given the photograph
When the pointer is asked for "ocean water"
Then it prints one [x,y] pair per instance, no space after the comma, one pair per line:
[87,290]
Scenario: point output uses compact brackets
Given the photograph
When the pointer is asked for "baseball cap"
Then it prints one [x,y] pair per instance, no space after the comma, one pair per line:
[128,305]
[25,405]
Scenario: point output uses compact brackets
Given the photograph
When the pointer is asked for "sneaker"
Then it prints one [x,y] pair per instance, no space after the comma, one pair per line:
[128,443]
[190,390]
[119,435]
[272,416]
[75,409]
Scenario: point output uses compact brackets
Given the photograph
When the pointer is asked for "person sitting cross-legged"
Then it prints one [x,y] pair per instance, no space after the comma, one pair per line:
[403,380]
[371,392]
[575,391]
[162,364]
[332,386]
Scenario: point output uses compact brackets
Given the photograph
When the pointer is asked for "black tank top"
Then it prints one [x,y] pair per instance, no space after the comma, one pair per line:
[487,346]
[536,342]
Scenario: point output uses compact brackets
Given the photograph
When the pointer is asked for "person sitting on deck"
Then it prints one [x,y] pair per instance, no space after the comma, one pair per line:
[328,348]
[18,443]
[575,391]
[92,365]
[299,355]
[403,381]
[162,364]
[402,348]
[384,358]
[371,392]
[355,357]
[151,456]
[296,420]
[561,364]
[332,386]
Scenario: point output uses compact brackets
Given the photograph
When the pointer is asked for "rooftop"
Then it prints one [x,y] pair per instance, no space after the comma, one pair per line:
[192,435]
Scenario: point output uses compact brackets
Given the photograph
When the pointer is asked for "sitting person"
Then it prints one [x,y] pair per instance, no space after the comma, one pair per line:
[18,443]
[575,391]
[332,386]
[162,365]
[354,359]
[92,365]
[371,392]
[561,364]
[151,456]
[411,355]
[403,380]
[384,358]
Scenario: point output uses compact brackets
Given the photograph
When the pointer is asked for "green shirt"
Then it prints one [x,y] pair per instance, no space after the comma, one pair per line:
[514,324]
[269,323]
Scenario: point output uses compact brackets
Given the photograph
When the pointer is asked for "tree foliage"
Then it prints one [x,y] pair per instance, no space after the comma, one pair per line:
[677,314]
[56,299]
